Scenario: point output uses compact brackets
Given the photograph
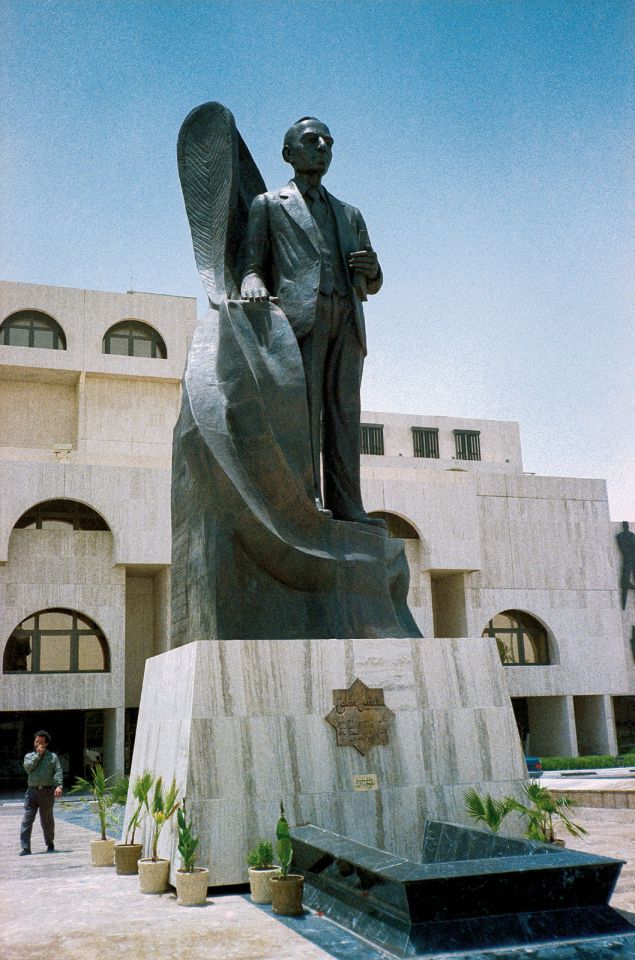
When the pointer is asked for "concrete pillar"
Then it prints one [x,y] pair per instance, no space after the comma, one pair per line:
[114,740]
[420,590]
[595,725]
[552,731]
[448,605]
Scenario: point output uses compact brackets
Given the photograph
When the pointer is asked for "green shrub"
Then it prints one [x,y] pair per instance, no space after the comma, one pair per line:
[262,857]
[599,761]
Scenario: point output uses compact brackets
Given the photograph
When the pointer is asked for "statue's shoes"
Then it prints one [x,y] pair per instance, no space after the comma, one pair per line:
[328,514]
[364,518]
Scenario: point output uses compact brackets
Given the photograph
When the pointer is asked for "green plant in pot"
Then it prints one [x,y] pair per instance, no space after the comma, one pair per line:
[154,870]
[102,851]
[487,809]
[544,812]
[128,853]
[287,888]
[191,881]
[261,870]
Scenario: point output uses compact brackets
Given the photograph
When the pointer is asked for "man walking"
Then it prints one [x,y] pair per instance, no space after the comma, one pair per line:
[44,787]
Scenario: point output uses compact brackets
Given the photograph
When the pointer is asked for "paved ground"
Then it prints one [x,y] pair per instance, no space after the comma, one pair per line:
[56,905]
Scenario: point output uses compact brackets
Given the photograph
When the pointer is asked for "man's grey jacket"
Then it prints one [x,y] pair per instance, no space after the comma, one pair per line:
[283,249]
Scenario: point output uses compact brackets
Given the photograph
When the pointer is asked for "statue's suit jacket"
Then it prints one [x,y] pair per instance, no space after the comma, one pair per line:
[283,249]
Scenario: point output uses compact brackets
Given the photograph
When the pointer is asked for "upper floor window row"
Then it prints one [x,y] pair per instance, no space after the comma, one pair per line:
[61,515]
[132,338]
[425,442]
[32,328]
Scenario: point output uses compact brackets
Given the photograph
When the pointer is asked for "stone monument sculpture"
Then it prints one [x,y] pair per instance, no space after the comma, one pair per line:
[626,543]
[276,366]
[296,671]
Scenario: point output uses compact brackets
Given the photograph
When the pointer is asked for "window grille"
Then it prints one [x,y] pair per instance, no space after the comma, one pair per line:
[372,439]
[468,444]
[425,441]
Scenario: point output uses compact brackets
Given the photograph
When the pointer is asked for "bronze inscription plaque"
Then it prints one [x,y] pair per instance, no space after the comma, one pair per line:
[360,717]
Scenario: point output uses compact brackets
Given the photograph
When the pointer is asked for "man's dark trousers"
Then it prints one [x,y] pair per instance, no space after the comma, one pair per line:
[42,799]
[333,360]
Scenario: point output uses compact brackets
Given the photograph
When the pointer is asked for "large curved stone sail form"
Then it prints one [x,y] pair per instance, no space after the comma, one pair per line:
[251,556]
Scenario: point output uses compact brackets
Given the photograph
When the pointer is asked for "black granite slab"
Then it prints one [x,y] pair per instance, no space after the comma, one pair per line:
[488,892]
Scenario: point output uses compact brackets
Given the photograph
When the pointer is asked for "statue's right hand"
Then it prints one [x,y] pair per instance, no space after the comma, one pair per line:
[252,288]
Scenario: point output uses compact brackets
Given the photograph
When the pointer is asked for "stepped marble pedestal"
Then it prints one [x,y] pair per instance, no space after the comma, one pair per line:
[241,725]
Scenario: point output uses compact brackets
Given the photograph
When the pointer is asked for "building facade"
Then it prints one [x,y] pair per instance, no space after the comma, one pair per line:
[89,394]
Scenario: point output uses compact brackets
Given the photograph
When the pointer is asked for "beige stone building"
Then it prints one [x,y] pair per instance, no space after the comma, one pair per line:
[89,394]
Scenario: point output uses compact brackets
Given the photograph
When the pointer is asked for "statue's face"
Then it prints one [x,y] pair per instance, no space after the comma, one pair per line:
[310,148]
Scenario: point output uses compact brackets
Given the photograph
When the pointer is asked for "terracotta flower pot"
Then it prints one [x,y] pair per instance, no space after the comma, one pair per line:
[286,894]
[102,853]
[260,885]
[127,857]
[153,875]
[191,888]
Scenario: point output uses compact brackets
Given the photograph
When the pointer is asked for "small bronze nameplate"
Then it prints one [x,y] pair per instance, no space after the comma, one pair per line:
[365,781]
[360,717]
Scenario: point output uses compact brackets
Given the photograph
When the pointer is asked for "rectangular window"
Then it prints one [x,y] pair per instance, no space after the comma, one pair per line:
[91,656]
[468,444]
[44,338]
[425,441]
[372,439]
[55,654]
[119,345]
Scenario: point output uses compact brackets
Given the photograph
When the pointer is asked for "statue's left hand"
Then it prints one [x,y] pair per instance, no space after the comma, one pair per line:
[364,262]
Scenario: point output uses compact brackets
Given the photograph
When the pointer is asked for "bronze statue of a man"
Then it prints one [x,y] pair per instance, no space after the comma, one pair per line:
[312,252]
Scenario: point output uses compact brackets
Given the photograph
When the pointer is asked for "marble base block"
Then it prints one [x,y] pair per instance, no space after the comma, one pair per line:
[241,725]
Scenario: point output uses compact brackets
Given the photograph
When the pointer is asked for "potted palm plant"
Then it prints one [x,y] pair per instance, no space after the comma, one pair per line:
[487,809]
[128,853]
[102,851]
[544,811]
[154,870]
[287,888]
[261,870]
[191,881]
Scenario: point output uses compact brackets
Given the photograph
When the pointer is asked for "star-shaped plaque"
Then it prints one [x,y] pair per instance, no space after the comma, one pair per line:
[360,717]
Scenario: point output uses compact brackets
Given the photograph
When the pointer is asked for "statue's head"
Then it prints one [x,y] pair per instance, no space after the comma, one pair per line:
[308,146]
[625,526]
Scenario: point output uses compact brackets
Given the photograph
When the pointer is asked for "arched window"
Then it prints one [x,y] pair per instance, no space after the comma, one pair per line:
[397,526]
[57,641]
[131,338]
[32,328]
[520,638]
[61,515]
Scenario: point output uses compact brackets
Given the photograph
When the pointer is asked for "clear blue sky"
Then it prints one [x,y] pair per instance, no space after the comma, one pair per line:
[485,142]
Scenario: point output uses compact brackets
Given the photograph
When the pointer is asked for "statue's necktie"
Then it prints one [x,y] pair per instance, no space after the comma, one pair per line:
[317,206]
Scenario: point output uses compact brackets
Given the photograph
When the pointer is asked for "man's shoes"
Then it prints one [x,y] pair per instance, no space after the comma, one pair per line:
[25,853]
[50,848]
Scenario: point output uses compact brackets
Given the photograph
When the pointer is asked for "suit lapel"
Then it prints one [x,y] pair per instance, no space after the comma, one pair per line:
[295,206]
[348,242]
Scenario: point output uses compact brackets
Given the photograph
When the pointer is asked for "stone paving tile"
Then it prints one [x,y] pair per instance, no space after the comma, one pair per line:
[57,905]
